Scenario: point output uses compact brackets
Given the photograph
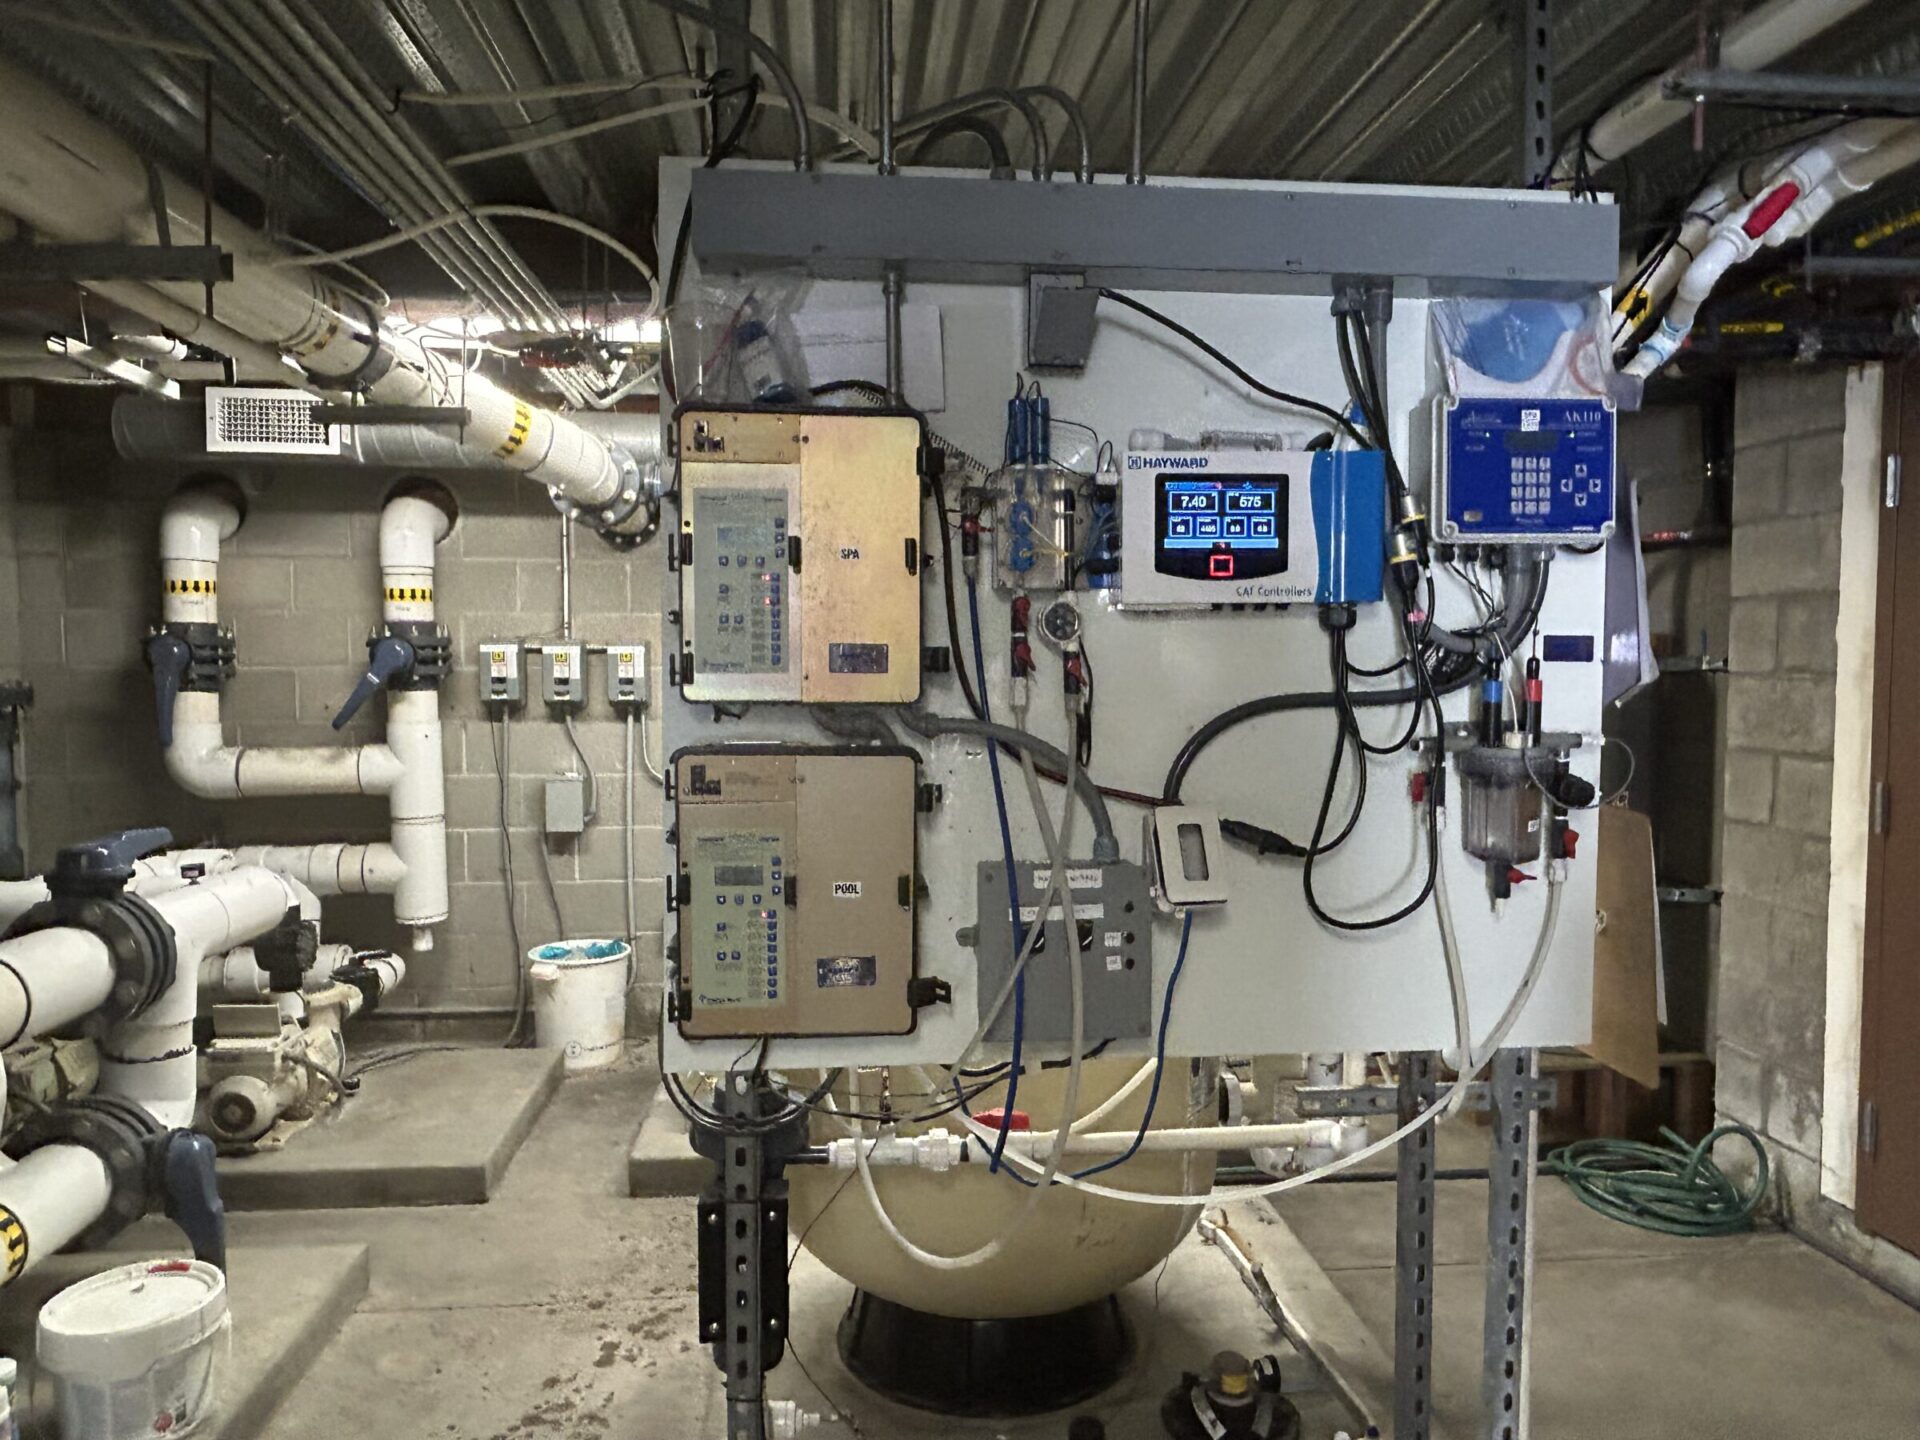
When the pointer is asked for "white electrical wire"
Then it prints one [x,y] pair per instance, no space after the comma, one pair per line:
[482,212]
[1535,967]
[647,760]
[1456,968]
[626,861]
[1058,855]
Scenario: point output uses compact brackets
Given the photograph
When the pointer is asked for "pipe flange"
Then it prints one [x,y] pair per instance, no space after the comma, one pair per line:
[432,653]
[123,1134]
[139,940]
[632,516]
[212,656]
[379,359]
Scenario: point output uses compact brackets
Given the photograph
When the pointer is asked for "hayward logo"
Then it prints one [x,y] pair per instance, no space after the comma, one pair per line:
[1169,462]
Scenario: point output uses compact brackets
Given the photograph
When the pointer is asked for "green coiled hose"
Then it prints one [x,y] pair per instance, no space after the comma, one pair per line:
[1675,1189]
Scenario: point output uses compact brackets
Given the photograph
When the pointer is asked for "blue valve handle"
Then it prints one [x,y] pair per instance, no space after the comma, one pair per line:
[168,656]
[192,1195]
[106,860]
[388,659]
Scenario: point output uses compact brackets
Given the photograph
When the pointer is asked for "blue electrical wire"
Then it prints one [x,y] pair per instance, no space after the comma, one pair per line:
[1159,1060]
[1013,886]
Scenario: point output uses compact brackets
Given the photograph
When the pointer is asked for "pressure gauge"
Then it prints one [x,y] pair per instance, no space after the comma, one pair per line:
[1060,623]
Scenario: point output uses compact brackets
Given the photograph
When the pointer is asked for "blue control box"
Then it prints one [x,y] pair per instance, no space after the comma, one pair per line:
[1524,471]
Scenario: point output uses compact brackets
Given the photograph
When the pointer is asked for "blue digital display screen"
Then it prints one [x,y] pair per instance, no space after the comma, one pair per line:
[1241,513]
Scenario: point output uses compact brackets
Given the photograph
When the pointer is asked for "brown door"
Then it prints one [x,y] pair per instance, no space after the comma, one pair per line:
[1888,1199]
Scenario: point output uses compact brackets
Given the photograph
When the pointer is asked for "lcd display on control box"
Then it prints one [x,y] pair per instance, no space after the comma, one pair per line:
[1221,527]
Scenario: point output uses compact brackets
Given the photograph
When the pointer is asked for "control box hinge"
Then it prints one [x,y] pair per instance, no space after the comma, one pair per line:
[1880,815]
[1892,492]
[925,990]
[1869,1127]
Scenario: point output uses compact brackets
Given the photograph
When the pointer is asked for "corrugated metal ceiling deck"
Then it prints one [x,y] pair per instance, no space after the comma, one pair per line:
[1410,91]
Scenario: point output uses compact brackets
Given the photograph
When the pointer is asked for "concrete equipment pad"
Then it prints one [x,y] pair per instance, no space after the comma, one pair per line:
[661,1161]
[287,1302]
[435,1129]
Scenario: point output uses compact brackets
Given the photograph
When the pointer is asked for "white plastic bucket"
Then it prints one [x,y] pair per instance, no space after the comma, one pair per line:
[580,999]
[137,1351]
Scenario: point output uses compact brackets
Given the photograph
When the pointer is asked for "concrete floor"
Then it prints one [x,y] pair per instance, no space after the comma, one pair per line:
[563,1310]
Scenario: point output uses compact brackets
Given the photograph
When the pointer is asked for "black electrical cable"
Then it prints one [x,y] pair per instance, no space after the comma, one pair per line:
[1239,372]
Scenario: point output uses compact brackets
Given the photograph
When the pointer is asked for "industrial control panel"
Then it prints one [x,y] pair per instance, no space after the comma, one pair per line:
[1517,470]
[1251,527]
[799,555]
[794,887]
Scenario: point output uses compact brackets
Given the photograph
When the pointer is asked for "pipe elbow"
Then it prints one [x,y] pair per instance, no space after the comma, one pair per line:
[200,765]
[411,525]
[199,516]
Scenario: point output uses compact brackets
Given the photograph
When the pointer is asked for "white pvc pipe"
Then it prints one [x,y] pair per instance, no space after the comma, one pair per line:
[410,528]
[331,868]
[1300,1134]
[49,979]
[72,179]
[19,896]
[237,975]
[53,1194]
[151,1058]
[1752,42]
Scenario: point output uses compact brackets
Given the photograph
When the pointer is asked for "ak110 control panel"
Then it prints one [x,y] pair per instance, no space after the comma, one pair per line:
[1523,470]
[794,891]
[799,555]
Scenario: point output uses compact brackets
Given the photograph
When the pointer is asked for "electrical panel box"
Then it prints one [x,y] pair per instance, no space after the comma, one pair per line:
[502,672]
[1110,936]
[565,681]
[1523,471]
[627,675]
[1252,527]
[794,891]
[566,805]
[799,555]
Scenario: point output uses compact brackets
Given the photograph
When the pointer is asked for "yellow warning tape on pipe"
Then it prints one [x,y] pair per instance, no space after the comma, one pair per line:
[14,1236]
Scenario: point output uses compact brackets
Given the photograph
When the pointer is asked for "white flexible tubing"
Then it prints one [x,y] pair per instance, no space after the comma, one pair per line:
[1484,1052]
[647,760]
[1114,1101]
[1070,1098]
[1456,968]
[626,854]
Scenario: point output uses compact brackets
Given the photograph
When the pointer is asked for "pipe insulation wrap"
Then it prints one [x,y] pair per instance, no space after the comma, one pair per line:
[54,1194]
[72,179]
[332,868]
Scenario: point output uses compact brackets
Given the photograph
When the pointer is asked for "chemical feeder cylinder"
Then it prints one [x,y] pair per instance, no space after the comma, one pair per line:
[1072,1249]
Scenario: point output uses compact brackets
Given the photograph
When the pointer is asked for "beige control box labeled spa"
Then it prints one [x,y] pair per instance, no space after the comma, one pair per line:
[799,556]
[794,886]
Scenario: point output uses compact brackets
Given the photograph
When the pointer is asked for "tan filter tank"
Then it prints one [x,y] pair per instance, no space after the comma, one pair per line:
[1072,1249]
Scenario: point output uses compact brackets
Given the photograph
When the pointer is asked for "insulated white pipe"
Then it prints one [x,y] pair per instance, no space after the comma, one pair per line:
[1301,1134]
[151,1058]
[53,1195]
[72,179]
[1752,42]
[49,979]
[19,896]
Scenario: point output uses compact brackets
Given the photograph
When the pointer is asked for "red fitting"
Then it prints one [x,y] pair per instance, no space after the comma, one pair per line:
[991,1119]
[1022,658]
[1770,208]
[1569,842]
[1516,875]
[1417,787]
[1022,612]
[1535,691]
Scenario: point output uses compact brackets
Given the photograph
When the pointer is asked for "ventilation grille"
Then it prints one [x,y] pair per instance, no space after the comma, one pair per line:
[265,421]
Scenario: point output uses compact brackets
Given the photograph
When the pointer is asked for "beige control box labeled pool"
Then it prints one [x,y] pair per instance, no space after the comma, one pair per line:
[794,891]
[799,555]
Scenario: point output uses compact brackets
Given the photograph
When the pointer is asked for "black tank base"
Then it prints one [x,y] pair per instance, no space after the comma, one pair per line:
[985,1369]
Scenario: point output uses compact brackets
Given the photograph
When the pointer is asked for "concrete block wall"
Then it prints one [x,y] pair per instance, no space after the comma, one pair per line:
[300,584]
[1770,1017]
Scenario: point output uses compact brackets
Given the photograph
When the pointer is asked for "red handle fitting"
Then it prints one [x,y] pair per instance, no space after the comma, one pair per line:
[1516,876]
[991,1120]
[1761,218]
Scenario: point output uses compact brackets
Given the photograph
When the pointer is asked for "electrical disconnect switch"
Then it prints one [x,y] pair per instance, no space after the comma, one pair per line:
[566,676]
[627,675]
[502,672]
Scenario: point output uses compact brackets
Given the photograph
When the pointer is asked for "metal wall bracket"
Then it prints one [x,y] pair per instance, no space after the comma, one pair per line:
[208,264]
[1414,1190]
